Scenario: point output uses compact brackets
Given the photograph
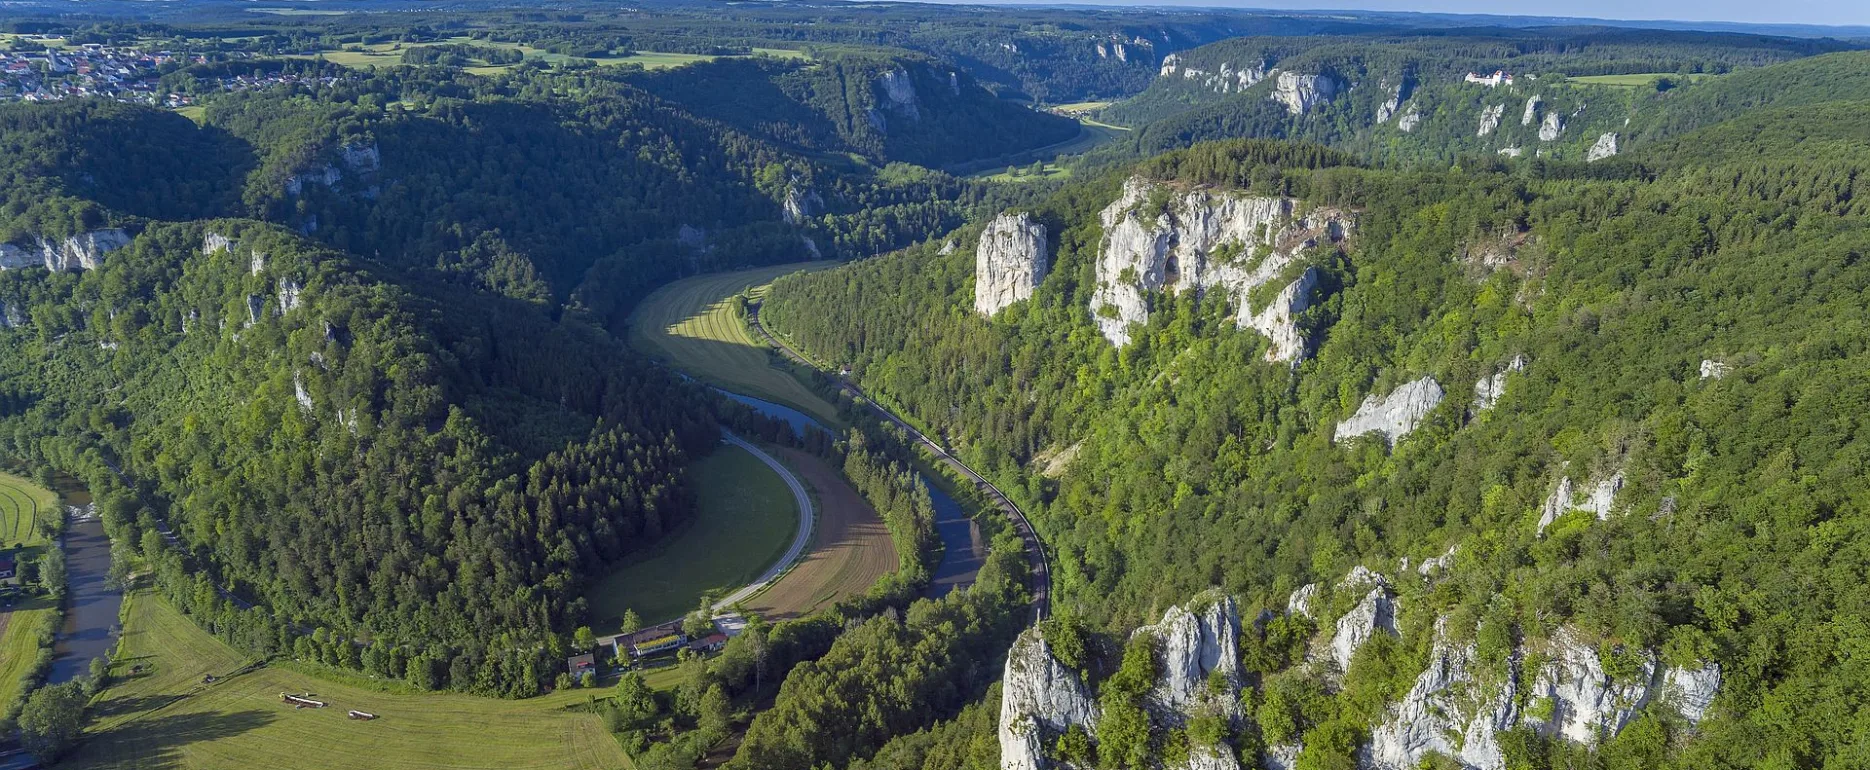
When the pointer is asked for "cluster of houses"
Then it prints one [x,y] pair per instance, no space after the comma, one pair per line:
[656,640]
[110,72]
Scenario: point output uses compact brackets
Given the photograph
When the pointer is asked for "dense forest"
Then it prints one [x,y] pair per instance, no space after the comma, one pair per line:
[1687,316]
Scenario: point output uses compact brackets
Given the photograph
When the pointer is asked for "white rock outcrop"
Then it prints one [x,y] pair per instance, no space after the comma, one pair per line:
[290,295]
[1533,103]
[900,89]
[1300,602]
[1692,690]
[1551,127]
[1398,95]
[1488,390]
[213,242]
[1161,238]
[801,204]
[1409,120]
[1605,147]
[1009,262]
[1599,498]
[1039,698]
[1278,321]
[1490,119]
[1300,93]
[255,305]
[1585,704]
[1714,370]
[1282,757]
[1511,152]
[84,251]
[360,159]
[11,317]
[1394,415]
[1376,613]
[300,394]
[1444,714]
[1209,758]
[1195,647]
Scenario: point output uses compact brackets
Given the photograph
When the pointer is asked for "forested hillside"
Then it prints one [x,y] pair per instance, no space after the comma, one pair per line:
[1665,340]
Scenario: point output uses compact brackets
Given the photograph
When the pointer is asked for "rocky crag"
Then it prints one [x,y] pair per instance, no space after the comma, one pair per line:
[1009,262]
[1393,415]
[84,251]
[1161,238]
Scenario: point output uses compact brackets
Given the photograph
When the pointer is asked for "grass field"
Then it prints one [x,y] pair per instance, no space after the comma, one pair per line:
[1090,135]
[745,518]
[850,547]
[1639,80]
[391,54]
[690,325]
[166,717]
[21,503]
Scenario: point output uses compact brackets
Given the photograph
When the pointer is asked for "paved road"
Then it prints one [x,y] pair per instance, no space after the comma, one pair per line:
[1035,549]
[807,515]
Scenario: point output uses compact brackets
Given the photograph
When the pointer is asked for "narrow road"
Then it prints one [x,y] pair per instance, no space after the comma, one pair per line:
[807,515]
[799,541]
[1036,558]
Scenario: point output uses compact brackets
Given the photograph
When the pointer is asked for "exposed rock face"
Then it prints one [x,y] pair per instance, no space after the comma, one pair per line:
[299,393]
[1300,93]
[1409,120]
[948,247]
[1209,758]
[1039,698]
[1692,690]
[1605,147]
[1169,65]
[1488,390]
[1401,94]
[1714,370]
[1278,320]
[1551,127]
[1195,647]
[1585,703]
[1511,152]
[1009,262]
[811,247]
[215,242]
[1300,603]
[1376,613]
[801,204]
[1228,80]
[1490,119]
[360,159]
[900,89]
[1200,240]
[1598,499]
[255,304]
[1532,110]
[289,293]
[84,251]
[1394,415]
[1284,757]
[1443,715]
[10,316]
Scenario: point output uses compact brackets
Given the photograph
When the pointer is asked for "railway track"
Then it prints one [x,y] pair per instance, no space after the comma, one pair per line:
[1036,558]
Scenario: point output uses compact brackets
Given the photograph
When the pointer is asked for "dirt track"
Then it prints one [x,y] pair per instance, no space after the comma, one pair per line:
[849,551]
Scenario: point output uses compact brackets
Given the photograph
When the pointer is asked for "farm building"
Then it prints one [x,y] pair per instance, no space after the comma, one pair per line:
[7,568]
[577,665]
[650,641]
[710,643]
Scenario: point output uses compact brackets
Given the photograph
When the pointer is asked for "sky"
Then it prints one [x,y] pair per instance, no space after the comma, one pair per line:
[1753,11]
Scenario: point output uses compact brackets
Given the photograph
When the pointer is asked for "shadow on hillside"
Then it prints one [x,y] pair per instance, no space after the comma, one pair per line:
[158,741]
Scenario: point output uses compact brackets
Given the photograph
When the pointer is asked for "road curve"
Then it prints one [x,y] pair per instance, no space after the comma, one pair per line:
[1036,557]
[799,541]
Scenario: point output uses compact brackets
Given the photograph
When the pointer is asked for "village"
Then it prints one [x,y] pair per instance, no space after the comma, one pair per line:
[33,74]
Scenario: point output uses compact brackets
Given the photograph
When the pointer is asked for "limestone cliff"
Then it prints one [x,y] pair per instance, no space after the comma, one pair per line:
[1009,262]
[1375,613]
[1551,127]
[1605,147]
[801,203]
[1447,712]
[1279,319]
[1490,119]
[1394,415]
[1488,390]
[1531,113]
[1300,93]
[1599,498]
[84,251]
[1194,648]
[1161,238]
[1039,699]
[362,160]
[1409,120]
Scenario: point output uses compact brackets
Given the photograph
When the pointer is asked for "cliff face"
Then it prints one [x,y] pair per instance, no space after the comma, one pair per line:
[801,203]
[1489,390]
[1446,712]
[1598,498]
[1194,648]
[1605,147]
[1394,415]
[1039,699]
[1009,262]
[1490,119]
[1158,238]
[1551,127]
[1300,93]
[360,159]
[84,251]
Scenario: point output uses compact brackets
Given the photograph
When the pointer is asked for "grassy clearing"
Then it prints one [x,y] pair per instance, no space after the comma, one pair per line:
[1075,109]
[690,324]
[1639,80]
[745,518]
[1050,162]
[165,717]
[22,625]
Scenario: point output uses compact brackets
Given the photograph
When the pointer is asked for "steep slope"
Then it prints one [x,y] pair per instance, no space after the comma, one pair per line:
[1597,424]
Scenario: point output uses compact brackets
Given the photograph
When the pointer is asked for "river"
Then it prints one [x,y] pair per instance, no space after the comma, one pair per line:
[963,549]
[92,607]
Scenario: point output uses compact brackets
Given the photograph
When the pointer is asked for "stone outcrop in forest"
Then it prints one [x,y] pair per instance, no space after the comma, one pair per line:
[1198,648]
[1039,699]
[1009,262]
[1490,119]
[1163,238]
[1605,147]
[1551,127]
[1394,415]
[1598,498]
[1301,93]
[84,251]
[1488,390]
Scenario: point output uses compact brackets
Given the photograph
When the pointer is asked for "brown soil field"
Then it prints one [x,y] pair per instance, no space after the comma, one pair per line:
[849,551]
